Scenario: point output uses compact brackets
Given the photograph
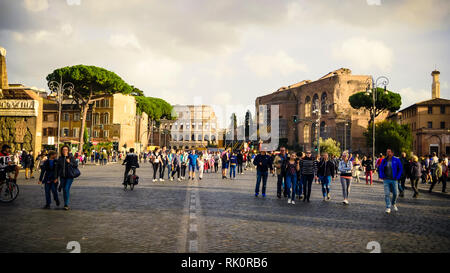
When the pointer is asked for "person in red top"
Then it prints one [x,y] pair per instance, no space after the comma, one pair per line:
[6,164]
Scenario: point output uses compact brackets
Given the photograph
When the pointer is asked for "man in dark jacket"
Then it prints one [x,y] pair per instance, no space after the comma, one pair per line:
[415,172]
[263,163]
[405,174]
[308,169]
[49,177]
[325,172]
[131,160]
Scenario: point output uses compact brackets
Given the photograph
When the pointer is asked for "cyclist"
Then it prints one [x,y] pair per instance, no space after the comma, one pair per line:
[6,164]
[131,160]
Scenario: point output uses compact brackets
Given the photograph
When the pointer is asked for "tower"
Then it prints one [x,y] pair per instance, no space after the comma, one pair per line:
[436,86]
[3,74]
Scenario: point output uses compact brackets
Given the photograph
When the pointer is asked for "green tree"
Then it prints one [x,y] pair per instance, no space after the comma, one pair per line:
[385,102]
[330,146]
[91,83]
[390,135]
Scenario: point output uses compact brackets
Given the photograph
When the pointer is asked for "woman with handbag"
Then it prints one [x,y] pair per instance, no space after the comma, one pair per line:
[67,171]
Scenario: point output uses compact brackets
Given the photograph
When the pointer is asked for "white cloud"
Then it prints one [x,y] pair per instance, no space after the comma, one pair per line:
[411,96]
[364,54]
[124,41]
[36,5]
[267,65]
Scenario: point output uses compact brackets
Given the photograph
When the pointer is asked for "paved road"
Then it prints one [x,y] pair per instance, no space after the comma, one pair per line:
[215,215]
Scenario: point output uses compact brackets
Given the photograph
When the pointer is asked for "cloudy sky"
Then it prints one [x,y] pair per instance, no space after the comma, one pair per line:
[228,52]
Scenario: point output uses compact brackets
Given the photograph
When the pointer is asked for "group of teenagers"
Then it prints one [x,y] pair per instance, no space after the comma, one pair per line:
[296,173]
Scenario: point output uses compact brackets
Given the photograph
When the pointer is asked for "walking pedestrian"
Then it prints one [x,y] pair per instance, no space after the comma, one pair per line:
[436,173]
[279,164]
[291,167]
[326,173]
[233,164]
[225,160]
[415,174]
[356,168]
[66,164]
[390,171]
[263,163]
[49,177]
[367,164]
[404,175]
[308,169]
[193,160]
[345,168]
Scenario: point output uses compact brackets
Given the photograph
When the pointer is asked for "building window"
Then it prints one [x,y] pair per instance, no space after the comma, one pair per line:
[199,138]
[106,103]
[76,116]
[65,132]
[66,116]
[187,138]
[104,118]
[88,116]
[96,118]
[442,109]
[442,124]
[430,124]
[430,110]
[308,107]
[89,132]
[105,133]
[95,133]
[324,103]
[323,130]
[306,134]
[45,117]
[75,132]
[315,102]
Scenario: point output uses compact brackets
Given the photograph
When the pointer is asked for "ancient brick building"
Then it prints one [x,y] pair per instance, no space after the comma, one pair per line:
[329,95]
[20,113]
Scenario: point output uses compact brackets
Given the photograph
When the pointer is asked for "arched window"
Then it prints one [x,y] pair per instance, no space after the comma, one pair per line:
[187,138]
[199,138]
[206,137]
[323,130]
[306,134]
[315,102]
[323,102]
[193,137]
[174,137]
[307,106]
[181,138]
[213,137]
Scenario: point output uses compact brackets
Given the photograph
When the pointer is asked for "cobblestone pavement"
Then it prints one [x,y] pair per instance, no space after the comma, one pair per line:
[215,215]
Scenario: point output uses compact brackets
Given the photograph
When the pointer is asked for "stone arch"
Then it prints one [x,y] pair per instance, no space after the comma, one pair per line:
[307,106]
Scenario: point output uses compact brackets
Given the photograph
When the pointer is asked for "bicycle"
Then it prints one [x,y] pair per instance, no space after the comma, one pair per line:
[132,179]
[9,190]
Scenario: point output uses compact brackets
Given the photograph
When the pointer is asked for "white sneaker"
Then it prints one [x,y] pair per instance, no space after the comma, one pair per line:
[171,179]
[179,179]
[293,202]
[154,180]
[388,210]
[324,199]
[289,201]
[395,208]
[161,179]
[345,202]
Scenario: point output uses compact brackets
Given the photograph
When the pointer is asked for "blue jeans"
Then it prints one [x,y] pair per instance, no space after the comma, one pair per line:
[390,185]
[291,182]
[260,175]
[50,188]
[299,189]
[169,170]
[66,183]
[326,181]
[232,171]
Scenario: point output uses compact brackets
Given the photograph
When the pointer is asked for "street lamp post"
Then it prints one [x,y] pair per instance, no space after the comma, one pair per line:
[58,90]
[372,87]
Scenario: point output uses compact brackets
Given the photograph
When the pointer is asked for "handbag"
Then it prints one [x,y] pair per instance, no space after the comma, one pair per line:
[73,172]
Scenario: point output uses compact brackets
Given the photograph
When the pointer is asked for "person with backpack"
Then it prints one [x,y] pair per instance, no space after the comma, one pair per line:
[225,161]
[49,177]
[291,167]
[131,160]
[67,172]
[444,177]
[326,173]
[436,173]
[415,172]
[156,162]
